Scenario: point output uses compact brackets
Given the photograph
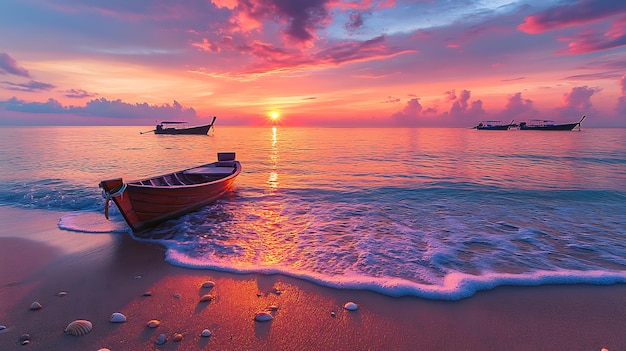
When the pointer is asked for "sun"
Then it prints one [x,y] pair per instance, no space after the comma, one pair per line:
[274,116]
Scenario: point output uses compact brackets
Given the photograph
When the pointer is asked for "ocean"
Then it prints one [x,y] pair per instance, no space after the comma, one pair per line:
[435,213]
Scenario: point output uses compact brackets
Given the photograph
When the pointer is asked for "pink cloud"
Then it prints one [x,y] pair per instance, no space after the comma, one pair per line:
[517,107]
[591,41]
[278,59]
[577,102]
[584,11]
[9,66]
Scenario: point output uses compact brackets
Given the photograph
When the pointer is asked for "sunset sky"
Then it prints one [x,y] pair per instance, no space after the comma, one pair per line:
[422,63]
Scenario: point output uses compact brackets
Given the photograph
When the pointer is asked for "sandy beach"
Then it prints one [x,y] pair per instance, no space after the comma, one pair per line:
[107,273]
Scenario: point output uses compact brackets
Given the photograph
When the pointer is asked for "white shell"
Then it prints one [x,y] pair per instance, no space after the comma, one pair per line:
[35,306]
[161,339]
[62,293]
[263,317]
[118,318]
[205,333]
[154,323]
[208,284]
[3,327]
[207,298]
[78,327]
[351,306]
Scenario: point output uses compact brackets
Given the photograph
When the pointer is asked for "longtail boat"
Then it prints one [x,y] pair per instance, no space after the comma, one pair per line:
[147,202]
[180,127]
[538,124]
[493,125]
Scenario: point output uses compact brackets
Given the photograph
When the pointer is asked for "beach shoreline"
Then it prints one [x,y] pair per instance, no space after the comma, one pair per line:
[107,273]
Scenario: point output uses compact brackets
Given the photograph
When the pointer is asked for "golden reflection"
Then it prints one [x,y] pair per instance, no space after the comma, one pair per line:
[273,177]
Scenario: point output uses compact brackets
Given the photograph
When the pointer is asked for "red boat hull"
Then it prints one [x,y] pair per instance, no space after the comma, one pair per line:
[144,205]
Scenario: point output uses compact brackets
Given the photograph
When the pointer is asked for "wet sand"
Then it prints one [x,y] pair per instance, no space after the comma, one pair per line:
[107,273]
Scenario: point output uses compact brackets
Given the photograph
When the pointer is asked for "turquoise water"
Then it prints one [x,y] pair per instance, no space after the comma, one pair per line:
[437,213]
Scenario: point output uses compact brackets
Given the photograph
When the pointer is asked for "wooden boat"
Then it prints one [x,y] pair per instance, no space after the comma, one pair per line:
[150,201]
[493,125]
[174,128]
[537,124]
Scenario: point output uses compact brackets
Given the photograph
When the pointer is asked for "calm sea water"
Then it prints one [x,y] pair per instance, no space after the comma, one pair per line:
[436,213]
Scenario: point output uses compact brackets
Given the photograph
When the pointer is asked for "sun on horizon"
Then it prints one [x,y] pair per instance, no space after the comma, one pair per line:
[274,116]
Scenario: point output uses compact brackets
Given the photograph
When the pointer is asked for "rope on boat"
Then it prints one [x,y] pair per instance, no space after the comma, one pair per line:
[108,196]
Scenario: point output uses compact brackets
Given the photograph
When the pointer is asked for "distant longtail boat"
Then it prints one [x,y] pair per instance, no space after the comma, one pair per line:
[537,124]
[172,128]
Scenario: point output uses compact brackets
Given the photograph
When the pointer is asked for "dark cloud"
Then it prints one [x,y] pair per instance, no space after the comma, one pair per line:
[103,108]
[9,66]
[31,86]
[357,21]
[583,11]
[78,94]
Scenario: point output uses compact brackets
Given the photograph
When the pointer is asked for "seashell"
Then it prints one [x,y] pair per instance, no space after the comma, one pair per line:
[161,339]
[205,333]
[208,284]
[263,317]
[147,293]
[154,323]
[62,293]
[177,337]
[207,298]
[78,327]
[25,342]
[351,306]
[117,318]
[2,327]
[35,306]
[24,337]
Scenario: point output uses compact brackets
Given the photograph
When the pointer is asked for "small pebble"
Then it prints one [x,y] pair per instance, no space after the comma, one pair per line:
[332,314]
[62,293]
[263,317]
[207,298]
[177,296]
[137,277]
[208,284]
[25,342]
[273,308]
[178,337]
[351,306]
[161,339]
[35,306]
[24,337]
[3,327]
[104,349]
[118,318]
[147,293]
[205,333]
[154,323]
